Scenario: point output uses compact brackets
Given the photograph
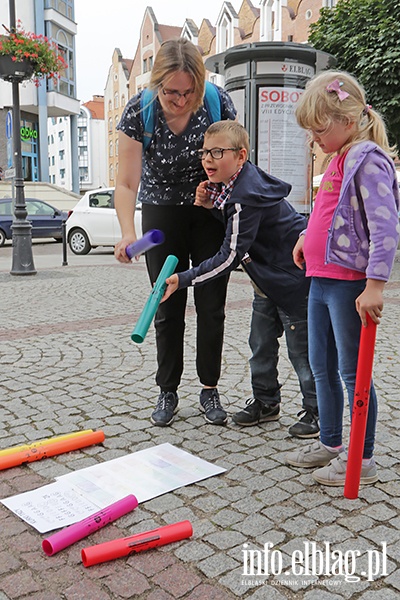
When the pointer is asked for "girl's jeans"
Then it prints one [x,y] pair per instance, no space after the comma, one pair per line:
[334,328]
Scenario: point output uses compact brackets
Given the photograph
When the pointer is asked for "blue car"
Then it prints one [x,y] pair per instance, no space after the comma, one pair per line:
[46,220]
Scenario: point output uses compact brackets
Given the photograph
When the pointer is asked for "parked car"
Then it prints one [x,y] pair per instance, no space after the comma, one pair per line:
[46,220]
[93,222]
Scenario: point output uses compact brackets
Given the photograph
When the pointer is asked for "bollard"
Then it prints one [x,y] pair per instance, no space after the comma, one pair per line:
[64,243]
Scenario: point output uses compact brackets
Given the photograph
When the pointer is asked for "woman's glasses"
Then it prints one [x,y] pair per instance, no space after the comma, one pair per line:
[175,94]
[216,153]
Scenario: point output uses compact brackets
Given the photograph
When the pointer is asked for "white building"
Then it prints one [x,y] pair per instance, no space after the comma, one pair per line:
[90,143]
[54,19]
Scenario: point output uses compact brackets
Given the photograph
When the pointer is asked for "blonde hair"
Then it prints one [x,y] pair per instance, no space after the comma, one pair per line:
[318,109]
[234,131]
[180,55]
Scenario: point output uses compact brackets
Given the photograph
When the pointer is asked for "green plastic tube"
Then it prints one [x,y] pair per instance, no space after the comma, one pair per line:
[150,308]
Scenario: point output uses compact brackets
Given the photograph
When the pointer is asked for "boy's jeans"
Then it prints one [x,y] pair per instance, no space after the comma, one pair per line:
[334,331]
[268,322]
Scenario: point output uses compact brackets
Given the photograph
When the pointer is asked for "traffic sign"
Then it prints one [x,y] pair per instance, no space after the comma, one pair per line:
[9,173]
[9,125]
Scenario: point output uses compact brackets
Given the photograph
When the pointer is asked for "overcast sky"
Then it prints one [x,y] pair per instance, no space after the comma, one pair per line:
[104,26]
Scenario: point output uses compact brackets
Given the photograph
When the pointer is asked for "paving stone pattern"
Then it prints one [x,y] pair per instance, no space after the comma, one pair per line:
[67,363]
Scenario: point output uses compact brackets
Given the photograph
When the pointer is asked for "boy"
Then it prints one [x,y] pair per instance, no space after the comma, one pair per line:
[261,231]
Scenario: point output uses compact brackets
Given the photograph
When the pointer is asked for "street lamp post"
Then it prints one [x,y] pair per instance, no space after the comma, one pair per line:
[22,257]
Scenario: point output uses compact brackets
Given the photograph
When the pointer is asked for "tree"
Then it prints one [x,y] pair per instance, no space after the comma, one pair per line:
[364,36]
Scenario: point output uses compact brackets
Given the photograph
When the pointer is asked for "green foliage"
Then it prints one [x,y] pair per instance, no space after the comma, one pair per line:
[364,36]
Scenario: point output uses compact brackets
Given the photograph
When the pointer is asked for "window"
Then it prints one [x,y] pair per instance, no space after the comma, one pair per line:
[270,18]
[61,136]
[329,3]
[65,42]
[110,125]
[150,63]
[62,173]
[5,208]
[116,100]
[65,7]
[145,65]
[38,208]
[102,200]
[61,154]
[110,149]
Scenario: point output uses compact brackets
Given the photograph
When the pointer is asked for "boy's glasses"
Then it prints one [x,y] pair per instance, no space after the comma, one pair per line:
[216,153]
[175,94]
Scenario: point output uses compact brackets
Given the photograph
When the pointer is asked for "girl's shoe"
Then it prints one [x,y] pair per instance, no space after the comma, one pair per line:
[335,472]
[313,455]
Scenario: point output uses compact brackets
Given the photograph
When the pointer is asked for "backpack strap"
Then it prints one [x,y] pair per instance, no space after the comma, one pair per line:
[212,104]
[147,110]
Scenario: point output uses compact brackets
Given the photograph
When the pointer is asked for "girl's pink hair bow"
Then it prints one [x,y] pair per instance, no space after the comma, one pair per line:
[335,87]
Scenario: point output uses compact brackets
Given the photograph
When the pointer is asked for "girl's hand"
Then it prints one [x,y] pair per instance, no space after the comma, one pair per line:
[119,250]
[202,197]
[298,256]
[371,301]
[172,285]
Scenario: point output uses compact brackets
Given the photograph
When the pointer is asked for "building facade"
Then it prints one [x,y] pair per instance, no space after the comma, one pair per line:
[265,21]
[54,19]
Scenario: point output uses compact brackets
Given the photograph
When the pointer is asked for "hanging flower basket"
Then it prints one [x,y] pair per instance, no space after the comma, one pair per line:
[15,71]
[25,55]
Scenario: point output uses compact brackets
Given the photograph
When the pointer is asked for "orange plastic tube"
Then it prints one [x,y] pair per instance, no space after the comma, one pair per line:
[45,441]
[47,450]
[360,409]
[136,543]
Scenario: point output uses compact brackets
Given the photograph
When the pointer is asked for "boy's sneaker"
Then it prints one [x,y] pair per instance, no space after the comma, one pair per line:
[307,427]
[335,472]
[164,412]
[256,412]
[313,455]
[211,406]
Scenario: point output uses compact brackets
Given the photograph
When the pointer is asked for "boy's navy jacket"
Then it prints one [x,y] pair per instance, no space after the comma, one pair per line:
[262,228]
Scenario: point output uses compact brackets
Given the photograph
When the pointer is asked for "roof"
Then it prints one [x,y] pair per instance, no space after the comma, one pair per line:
[96,107]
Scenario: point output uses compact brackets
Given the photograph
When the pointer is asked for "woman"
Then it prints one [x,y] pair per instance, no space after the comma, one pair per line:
[168,172]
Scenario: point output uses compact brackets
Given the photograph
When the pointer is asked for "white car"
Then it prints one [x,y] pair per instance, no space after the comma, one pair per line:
[93,222]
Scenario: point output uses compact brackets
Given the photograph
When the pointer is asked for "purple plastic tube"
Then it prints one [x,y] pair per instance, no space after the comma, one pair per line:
[78,531]
[151,238]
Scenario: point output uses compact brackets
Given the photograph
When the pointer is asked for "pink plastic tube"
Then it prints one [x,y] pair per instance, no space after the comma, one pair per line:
[78,531]
[136,543]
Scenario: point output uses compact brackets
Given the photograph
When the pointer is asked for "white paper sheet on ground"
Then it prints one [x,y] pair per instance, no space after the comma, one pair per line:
[146,474]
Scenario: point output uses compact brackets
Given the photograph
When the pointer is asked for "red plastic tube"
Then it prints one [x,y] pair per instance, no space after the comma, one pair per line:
[136,543]
[360,409]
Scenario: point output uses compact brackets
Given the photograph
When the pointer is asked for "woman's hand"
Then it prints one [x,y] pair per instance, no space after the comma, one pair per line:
[120,249]
[202,197]
[371,301]
[298,256]
[172,285]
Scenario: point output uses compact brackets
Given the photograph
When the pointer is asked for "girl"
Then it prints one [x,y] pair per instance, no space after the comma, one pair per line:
[348,249]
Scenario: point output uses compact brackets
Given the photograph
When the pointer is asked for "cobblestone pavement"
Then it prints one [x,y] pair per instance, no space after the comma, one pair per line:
[67,363]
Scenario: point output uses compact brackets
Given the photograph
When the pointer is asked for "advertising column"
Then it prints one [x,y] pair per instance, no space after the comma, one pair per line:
[281,143]
[265,80]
